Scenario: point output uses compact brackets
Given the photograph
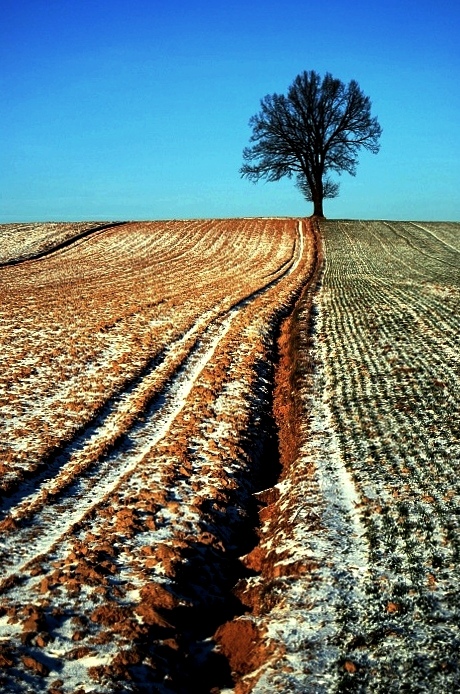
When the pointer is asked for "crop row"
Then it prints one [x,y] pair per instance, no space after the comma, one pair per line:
[117,577]
[390,324]
[79,326]
[357,566]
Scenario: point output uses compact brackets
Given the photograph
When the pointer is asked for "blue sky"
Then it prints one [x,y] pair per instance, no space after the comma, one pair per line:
[136,109]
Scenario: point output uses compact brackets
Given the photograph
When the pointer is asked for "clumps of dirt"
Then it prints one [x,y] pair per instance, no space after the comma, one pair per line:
[82,566]
[153,598]
[245,641]
[169,556]
[8,525]
[35,665]
[146,577]
[245,646]
[33,619]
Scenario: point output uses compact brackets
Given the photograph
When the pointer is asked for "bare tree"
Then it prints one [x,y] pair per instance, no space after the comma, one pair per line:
[319,127]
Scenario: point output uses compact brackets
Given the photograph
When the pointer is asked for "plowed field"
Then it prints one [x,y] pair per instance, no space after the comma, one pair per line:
[229,457]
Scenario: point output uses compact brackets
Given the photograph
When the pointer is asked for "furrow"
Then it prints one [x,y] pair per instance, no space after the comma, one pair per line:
[115,419]
[87,491]
[38,255]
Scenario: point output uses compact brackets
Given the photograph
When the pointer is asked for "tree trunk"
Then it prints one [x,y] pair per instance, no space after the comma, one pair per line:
[318,194]
[318,206]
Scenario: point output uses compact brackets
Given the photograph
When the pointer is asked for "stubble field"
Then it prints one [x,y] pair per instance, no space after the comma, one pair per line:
[229,457]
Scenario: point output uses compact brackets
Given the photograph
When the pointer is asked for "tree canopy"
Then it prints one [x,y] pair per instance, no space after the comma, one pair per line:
[319,127]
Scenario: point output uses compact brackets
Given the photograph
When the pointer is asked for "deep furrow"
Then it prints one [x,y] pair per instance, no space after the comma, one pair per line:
[62,245]
[102,433]
[90,489]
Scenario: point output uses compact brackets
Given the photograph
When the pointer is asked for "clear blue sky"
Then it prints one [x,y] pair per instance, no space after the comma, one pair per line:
[139,109]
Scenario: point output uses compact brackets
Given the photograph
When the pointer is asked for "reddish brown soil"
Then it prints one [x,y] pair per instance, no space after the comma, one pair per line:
[242,640]
[184,585]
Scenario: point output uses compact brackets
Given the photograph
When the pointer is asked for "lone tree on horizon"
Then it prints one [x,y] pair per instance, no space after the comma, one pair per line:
[319,127]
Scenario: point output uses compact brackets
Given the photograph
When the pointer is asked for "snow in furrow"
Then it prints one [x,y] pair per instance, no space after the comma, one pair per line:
[52,522]
[89,490]
[327,534]
[102,429]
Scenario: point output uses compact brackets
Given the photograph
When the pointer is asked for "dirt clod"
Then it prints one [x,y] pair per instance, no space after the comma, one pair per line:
[36,665]
[243,643]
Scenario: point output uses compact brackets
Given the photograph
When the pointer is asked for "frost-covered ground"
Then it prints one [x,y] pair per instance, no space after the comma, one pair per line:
[150,541]
[360,540]
[121,534]
[87,327]
[25,241]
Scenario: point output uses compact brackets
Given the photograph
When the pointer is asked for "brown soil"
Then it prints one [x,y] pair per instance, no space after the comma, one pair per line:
[166,630]
[242,641]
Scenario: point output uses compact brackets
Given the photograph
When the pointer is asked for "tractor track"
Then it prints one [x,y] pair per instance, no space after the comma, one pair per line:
[62,245]
[42,516]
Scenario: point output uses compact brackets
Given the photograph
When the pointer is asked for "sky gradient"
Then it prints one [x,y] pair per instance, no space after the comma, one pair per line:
[139,109]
